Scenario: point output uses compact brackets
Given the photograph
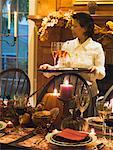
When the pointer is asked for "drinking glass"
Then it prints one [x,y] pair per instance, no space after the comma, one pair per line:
[20,104]
[109,124]
[104,109]
[55,47]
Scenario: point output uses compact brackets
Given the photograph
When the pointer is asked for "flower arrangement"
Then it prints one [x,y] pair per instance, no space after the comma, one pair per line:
[105,33]
[57,18]
[107,29]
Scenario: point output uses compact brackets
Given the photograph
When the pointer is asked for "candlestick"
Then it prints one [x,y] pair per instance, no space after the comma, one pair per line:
[9,17]
[66,91]
[15,24]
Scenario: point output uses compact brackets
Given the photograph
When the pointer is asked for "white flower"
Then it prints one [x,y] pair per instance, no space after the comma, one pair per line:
[53,19]
[110,24]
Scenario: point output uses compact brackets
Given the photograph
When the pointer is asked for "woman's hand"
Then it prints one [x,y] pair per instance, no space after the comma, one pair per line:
[45,66]
[93,69]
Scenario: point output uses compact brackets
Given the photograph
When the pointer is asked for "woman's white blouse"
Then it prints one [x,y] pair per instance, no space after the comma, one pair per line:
[90,53]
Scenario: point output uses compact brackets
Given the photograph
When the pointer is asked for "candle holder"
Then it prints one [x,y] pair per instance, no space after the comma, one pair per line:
[6,34]
[66,105]
[12,43]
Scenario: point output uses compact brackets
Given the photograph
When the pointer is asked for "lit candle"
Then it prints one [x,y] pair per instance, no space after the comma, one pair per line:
[15,24]
[66,90]
[55,92]
[9,16]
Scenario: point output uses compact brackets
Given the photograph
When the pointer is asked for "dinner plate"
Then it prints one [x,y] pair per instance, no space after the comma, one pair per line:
[2,125]
[95,122]
[50,138]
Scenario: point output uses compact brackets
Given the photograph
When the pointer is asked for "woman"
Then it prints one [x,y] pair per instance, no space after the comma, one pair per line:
[84,52]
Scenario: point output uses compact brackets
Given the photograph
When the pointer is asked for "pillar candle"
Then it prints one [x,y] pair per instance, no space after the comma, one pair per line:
[9,16]
[66,91]
[15,24]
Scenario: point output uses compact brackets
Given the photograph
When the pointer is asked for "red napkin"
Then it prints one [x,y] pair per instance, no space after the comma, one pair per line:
[72,134]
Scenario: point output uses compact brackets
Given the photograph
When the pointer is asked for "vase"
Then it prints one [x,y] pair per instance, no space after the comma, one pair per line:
[92,6]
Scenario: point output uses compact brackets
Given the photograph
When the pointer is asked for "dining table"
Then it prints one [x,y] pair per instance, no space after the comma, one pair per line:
[34,138]
[30,137]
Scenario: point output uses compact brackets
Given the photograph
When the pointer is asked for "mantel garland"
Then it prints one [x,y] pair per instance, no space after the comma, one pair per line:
[63,19]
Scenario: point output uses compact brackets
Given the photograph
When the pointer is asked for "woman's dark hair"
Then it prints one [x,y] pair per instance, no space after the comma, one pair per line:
[85,21]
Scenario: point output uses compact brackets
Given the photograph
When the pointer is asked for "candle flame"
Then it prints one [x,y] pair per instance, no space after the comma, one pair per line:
[55,91]
[92,131]
[66,82]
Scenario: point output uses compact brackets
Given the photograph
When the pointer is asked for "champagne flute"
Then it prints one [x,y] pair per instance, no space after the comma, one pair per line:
[54,52]
[55,47]
[82,100]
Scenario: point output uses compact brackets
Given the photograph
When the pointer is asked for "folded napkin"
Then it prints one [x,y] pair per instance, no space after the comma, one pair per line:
[72,134]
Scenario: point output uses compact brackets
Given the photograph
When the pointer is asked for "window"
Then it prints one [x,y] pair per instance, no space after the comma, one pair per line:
[14,54]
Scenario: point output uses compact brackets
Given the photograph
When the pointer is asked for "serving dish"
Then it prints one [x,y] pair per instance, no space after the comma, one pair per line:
[2,125]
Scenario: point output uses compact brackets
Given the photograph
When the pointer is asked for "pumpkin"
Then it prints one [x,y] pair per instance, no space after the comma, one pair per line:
[50,100]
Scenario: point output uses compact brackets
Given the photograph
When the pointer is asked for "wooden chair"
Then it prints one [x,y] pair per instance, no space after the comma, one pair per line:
[108,95]
[79,85]
[14,81]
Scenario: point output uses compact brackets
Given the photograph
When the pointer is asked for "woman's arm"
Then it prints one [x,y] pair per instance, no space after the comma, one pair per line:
[99,61]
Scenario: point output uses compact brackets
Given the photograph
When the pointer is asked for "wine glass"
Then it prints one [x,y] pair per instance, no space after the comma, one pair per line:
[20,104]
[104,110]
[82,100]
[109,124]
[55,47]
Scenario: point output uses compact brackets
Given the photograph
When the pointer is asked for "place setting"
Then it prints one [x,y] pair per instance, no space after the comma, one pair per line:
[69,135]
[105,115]
[70,138]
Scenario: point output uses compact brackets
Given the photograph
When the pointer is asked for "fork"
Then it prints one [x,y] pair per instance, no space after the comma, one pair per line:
[39,141]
